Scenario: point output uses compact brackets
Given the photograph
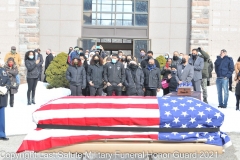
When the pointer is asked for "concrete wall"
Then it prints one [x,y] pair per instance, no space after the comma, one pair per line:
[60,24]
[169,26]
[9,30]
[224,27]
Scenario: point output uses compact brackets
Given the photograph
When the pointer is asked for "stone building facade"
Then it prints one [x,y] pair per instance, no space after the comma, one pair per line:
[172,25]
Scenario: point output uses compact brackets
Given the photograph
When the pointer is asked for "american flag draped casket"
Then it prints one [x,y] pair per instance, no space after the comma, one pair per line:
[71,120]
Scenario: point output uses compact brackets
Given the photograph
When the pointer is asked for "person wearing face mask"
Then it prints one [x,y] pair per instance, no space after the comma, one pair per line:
[198,63]
[77,51]
[120,54]
[166,56]
[185,71]
[12,71]
[83,59]
[17,58]
[134,80]
[152,79]
[76,75]
[95,76]
[166,70]
[48,60]
[176,60]
[32,75]
[173,84]
[180,55]
[114,76]
[39,56]
[69,55]
[142,56]
[144,63]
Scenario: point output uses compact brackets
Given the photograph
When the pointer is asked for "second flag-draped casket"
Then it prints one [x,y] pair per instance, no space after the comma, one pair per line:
[72,120]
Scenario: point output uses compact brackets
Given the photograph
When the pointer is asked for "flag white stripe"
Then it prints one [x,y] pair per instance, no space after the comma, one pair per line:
[47,133]
[95,112]
[104,100]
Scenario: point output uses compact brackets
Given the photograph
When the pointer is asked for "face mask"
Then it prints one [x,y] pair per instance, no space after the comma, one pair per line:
[180,57]
[150,65]
[128,60]
[31,57]
[86,56]
[10,65]
[183,60]
[120,57]
[149,57]
[166,57]
[13,51]
[175,58]
[114,61]
[70,50]
[96,61]
[76,63]
[194,56]
[142,53]
[123,59]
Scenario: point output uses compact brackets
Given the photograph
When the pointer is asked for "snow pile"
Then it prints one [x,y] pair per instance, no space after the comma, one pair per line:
[19,118]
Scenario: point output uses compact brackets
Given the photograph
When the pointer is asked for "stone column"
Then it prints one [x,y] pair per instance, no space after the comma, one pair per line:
[28,30]
[200,24]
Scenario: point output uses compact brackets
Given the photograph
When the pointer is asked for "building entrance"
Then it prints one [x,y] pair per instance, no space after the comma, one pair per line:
[128,46]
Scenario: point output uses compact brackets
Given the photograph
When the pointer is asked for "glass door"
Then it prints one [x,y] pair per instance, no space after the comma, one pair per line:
[87,44]
[139,44]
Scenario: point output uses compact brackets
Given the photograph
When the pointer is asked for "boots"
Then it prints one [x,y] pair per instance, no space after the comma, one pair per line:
[29,102]
[33,100]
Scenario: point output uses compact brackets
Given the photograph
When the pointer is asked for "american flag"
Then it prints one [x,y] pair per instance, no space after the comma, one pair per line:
[154,112]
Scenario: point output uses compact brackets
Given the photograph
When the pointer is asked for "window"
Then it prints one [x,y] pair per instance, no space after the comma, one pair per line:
[116,12]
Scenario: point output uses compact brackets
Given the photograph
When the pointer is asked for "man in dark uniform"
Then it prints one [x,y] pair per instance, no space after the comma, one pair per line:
[4,87]
[48,60]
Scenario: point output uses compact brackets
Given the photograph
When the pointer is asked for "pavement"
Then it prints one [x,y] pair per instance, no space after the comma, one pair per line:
[8,149]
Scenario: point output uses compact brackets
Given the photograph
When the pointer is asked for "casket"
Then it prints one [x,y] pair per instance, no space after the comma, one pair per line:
[126,124]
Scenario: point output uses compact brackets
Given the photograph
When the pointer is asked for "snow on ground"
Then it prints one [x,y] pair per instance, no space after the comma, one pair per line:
[19,118]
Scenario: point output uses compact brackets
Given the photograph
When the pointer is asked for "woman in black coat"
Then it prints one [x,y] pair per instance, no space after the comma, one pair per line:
[76,75]
[95,76]
[32,66]
[4,87]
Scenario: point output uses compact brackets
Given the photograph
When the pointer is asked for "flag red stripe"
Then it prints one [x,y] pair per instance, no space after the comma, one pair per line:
[108,97]
[31,145]
[96,105]
[110,121]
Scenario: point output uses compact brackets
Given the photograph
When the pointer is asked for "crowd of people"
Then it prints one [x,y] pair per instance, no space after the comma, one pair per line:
[95,73]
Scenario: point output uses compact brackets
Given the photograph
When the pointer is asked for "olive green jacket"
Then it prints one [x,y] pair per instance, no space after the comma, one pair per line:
[205,56]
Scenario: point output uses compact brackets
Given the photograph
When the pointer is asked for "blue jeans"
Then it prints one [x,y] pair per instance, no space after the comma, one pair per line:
[222,84]
[18,79]
[2,122]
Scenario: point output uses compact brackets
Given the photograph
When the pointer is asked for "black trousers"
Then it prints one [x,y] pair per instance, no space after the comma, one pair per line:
[151,92]
[32,84]
[40,76]
[237,100]
[165,91]
[117,89]
[95,91]
[76,90]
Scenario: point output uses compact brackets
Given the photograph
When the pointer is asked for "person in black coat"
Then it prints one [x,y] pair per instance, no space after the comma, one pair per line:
[32,66]
[76,75]
[152,79]
[83,59]
[134,80]
[38,56]
[173,84]
[114,76]
[48,60]
[4,87]
[237,92]
[95,76]
[144,62]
